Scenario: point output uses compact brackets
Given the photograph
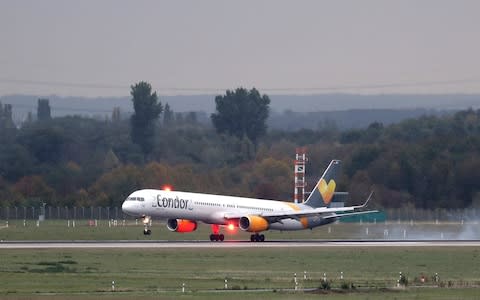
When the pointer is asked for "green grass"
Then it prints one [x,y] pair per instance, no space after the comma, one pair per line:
[58,230]
[433,294]
[159,273]
[149,273]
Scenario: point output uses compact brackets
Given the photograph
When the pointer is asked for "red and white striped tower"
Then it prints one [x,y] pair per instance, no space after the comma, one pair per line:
[300,183]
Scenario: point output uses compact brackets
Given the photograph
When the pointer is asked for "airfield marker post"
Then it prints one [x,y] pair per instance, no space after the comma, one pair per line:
[183,287]
[226,284]
[113,285]
[6,224]
[399,277]
[341,275]
[304,275]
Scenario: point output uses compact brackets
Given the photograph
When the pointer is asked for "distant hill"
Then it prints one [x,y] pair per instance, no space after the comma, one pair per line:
[346,119]
[350,107]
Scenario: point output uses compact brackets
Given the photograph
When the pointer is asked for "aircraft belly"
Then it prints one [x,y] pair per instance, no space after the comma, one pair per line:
[302,223]
[287,224]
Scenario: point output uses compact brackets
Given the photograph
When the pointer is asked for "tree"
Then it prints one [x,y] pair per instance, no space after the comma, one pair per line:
[191,118]
[242,113]
[168,116]
[43,110]
[35,187]
[6,119]
[147,110]
[45,143]
[116,114]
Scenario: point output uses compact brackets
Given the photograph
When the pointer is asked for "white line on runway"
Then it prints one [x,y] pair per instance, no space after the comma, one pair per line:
[283,244]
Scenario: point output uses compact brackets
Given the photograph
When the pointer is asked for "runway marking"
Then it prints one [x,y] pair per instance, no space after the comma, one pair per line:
[229,244]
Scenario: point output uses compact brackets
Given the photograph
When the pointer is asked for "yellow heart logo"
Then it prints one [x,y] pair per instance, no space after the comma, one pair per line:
[327,191]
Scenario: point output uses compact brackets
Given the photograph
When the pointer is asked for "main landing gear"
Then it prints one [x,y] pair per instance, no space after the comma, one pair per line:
[215,236]
[257,238]
[146,224]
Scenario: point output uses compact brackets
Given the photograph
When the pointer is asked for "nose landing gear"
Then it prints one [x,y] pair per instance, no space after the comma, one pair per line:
[147,223]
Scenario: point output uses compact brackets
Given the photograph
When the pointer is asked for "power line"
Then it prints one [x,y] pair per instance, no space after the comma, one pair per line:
[222,89]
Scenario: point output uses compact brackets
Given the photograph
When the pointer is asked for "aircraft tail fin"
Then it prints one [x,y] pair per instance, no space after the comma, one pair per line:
[324,191]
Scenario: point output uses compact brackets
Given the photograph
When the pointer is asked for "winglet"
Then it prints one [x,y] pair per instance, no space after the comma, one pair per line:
[366,202]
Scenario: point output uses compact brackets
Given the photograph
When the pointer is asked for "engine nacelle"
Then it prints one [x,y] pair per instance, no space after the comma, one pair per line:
[253,224]
[181,225]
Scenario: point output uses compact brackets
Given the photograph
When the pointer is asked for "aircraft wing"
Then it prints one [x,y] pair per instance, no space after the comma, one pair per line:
[324,212]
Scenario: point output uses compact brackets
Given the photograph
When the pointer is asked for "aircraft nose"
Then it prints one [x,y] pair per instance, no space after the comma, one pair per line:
[127,207]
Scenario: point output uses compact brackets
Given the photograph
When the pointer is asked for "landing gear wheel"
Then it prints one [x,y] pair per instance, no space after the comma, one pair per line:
[217,237]
[257,238]
[147,232]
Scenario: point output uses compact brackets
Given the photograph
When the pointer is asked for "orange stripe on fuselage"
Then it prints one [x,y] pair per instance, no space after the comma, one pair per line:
[303,220]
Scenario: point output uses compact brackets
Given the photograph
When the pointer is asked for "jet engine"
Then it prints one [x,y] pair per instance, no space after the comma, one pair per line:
[253,224]
[181,225]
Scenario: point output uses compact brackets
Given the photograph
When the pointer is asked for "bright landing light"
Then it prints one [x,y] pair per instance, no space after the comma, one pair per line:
[231,226]
[167,188]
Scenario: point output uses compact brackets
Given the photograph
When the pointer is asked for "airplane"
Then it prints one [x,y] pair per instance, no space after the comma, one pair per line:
[184,209]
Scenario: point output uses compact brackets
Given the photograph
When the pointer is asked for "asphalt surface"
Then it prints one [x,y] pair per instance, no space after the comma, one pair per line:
[233,244]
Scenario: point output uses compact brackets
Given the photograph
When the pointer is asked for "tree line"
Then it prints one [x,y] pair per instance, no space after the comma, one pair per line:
[427,162]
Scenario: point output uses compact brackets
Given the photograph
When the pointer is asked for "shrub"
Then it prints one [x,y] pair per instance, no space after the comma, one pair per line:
[325,285]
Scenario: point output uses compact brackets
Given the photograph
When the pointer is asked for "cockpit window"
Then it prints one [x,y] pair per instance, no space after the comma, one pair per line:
[140,199]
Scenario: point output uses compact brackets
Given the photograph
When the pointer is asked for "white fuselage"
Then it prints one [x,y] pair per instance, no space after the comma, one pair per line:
[212,209]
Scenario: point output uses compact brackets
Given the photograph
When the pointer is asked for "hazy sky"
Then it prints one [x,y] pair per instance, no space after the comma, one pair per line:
[100,48]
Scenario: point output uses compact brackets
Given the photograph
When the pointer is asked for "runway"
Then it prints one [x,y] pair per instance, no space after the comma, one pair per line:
[127,244]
